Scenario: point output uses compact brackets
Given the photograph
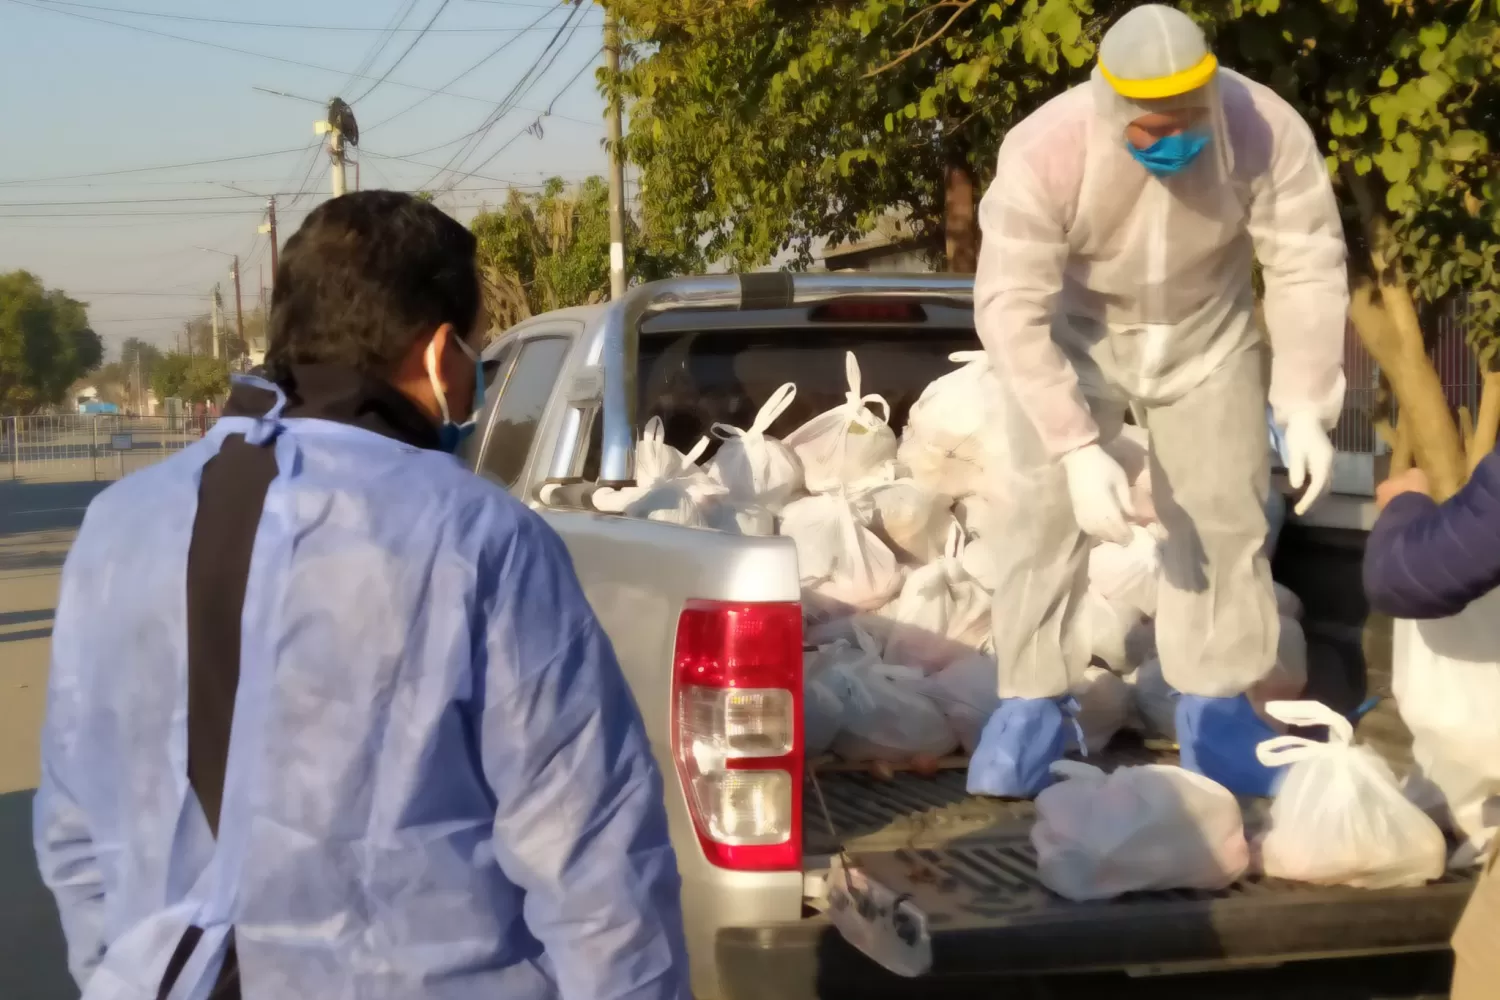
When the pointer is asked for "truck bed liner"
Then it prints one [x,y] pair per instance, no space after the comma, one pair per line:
[968,865]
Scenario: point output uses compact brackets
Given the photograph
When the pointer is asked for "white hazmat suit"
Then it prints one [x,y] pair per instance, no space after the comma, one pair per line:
[1103,286]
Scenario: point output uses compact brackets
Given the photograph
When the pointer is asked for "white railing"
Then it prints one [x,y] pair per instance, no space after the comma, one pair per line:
[90,446]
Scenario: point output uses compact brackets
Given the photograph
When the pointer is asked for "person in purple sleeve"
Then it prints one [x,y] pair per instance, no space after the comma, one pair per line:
[1431,560]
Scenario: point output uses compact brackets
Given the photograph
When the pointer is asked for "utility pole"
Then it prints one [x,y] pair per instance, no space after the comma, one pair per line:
[617,277]
[341,128]
[218,307]
[269,228]
[239,307]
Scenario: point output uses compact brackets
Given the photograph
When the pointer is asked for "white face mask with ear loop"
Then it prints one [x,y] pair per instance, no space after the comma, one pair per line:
[451,434]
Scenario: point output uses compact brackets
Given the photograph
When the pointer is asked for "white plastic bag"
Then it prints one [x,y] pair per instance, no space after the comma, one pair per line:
[1128,574]
[908,517]
[1138,829]
[754,468]
[967,692]
[1106,627]
[846,444]
[1446,678]
[1103,706]
[722,514]
[669,485]
[655,460]
[1339,817]
[942,614]
[843,566]
[1155,700]
[1288,604]
[1288,679]
[832,691]
[901,722]
[955,431]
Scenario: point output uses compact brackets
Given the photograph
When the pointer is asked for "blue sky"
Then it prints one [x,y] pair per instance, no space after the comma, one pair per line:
[83,97]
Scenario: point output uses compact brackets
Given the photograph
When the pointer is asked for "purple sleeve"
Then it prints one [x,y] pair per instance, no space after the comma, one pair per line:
[1429,560]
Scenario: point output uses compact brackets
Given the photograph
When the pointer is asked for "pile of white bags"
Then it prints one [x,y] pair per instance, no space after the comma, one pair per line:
[1138,829]
[1339,817]
[1446,678]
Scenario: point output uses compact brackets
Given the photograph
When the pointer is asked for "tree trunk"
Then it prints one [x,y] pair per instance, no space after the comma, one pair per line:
[1384,314]
[960,215]
[1487,424]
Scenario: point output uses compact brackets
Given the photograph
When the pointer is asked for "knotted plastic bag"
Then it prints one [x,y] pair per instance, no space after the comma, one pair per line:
[842,565]
[942,615]
[846,444]
[1103,704]
[1128,574]
[1339,817]
[908,517]
[891,718]
[955,432]
[658,464]
[754,468]
[1137,829]
[967,691]
[832,691]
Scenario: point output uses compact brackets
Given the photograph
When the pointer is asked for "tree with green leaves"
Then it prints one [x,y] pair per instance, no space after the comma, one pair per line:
[766,125]
[549,250]
[190,378]
[762,126]
[46,344]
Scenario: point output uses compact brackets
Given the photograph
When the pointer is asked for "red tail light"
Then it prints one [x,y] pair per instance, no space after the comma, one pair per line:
[737,731]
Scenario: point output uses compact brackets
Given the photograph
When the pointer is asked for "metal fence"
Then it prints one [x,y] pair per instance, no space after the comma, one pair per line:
[90,447]
[1456,368]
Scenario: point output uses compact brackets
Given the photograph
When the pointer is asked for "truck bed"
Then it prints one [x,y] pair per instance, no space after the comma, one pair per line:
[967,864]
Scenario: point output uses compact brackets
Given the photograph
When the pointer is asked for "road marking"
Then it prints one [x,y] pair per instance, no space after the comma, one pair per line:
[46,510]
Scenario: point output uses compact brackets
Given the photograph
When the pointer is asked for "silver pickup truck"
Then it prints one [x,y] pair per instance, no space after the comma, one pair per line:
[799,884]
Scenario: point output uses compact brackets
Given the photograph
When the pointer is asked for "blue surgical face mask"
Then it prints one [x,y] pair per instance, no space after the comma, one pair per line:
[450,434]
[1170,154]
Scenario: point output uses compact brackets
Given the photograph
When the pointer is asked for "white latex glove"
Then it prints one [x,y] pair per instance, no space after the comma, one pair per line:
[1309,458]
[1100,492]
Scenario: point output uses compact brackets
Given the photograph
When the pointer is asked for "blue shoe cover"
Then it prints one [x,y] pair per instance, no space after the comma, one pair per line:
[1218,737]
[1018,747]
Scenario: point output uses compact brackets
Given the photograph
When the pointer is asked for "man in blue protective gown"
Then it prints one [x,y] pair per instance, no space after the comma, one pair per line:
[329,716]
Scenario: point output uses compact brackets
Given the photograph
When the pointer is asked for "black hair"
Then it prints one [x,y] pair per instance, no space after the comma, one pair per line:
[364,277]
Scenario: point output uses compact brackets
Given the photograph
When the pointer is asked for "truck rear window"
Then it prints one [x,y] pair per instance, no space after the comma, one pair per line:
[696,379]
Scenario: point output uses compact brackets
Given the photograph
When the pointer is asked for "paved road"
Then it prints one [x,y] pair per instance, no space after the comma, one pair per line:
[37,524]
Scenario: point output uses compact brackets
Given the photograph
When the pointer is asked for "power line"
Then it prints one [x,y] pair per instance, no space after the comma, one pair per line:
[361,74]
[443,89]
[106,215]
[402,57]
[507,103]
[533,126]
[272,24]
[368,62]
[167,166]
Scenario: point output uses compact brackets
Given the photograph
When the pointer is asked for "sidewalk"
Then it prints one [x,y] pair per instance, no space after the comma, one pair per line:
[37,525]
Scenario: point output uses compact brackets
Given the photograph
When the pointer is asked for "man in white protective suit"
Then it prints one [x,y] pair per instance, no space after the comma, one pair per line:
[1115,274]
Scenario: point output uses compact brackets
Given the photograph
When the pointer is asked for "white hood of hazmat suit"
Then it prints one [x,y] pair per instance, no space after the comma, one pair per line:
[1102,286]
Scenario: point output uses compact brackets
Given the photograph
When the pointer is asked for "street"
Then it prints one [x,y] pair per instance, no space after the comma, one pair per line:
[37,523]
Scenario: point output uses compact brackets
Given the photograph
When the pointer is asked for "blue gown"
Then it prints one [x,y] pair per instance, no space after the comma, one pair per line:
[438,785]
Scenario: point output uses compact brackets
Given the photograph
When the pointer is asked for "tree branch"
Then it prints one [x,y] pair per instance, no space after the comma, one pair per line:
[959,7]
